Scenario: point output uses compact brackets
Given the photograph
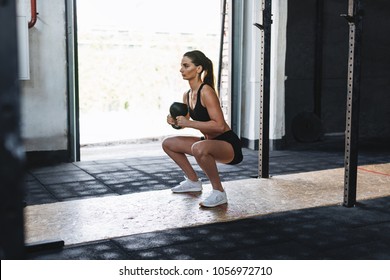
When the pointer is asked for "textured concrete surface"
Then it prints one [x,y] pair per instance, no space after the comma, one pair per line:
[88,220]
[122,208]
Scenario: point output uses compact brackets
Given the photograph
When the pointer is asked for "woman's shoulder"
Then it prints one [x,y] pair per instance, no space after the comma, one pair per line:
[206,86]
[209,96]
[208,91]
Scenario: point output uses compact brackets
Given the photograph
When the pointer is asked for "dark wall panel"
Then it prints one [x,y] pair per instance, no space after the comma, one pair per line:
[300,61]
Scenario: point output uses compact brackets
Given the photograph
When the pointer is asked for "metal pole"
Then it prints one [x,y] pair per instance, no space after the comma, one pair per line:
[220,62]
[354,18]
[73,86]
[265,67]
[12,156]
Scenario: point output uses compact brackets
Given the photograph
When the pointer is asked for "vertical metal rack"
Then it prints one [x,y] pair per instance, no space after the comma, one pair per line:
[354,18]
[265,66]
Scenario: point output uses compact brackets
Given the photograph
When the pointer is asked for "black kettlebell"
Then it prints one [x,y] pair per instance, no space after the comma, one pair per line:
[178,109]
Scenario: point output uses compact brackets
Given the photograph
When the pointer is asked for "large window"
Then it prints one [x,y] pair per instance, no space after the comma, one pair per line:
[129,61]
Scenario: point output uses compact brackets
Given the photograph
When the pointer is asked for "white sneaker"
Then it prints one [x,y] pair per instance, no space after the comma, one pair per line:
[188,186]
[216,198]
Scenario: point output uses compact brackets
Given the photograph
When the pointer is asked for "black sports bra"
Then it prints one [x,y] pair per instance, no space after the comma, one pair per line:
[199,113]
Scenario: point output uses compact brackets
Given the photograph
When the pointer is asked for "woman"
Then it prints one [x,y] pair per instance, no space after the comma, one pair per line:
[219,144]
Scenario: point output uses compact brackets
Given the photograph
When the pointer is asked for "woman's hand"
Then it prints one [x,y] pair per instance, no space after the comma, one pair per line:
[171,120]
[182,121]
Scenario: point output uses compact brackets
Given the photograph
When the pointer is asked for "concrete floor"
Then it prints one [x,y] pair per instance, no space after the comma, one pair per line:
[100,218]
[122,208]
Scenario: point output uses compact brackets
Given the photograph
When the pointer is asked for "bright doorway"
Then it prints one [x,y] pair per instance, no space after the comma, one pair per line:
[129,54]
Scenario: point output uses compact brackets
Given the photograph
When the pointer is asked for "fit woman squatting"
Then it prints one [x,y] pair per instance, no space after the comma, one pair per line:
[219,144]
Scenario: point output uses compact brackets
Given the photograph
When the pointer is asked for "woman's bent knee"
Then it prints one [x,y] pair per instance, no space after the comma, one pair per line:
[167,143]
[198,150]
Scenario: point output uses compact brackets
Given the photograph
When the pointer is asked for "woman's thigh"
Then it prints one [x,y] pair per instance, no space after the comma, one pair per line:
[180,144]
[221,151]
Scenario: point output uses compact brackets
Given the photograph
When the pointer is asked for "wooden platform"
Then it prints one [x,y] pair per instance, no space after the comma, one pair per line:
[85,220]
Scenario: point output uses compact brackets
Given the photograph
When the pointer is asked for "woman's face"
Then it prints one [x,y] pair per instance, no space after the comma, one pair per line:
[188,69]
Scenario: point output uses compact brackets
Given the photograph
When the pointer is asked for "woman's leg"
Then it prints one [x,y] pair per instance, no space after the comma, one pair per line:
[207,153]
[177,147]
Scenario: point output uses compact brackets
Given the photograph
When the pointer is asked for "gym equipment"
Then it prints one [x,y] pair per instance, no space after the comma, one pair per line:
[178,109]
[355,23]
[265,68]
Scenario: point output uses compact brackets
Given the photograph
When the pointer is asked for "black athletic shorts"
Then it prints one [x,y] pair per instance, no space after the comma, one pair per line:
[232,138]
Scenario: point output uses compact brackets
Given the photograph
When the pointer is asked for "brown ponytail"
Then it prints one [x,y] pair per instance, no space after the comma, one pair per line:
[199,58]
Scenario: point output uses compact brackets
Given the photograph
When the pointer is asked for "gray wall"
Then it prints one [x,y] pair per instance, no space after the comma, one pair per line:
[44,121]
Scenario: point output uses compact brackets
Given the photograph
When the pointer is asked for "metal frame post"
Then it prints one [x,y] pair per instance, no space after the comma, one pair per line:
[221,44]
[12,156]
[354,18]
[73,86]
[265,69]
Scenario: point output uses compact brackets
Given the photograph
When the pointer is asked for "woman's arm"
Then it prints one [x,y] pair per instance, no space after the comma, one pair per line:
[217,124]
